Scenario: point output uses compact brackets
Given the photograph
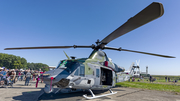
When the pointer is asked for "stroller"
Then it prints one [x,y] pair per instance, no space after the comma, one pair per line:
[5,82]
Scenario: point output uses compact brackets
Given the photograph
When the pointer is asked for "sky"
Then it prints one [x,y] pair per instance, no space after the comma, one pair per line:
[82,22]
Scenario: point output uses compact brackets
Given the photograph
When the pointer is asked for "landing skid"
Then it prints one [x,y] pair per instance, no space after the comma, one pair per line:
[94,96]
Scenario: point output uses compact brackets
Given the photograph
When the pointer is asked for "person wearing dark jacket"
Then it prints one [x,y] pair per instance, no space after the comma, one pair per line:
[150,78]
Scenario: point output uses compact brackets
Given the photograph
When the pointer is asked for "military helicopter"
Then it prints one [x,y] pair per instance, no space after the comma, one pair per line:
[98,72]
[137,72]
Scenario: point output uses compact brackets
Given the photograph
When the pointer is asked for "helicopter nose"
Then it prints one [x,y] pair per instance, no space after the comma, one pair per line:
[59,78]
[63,83]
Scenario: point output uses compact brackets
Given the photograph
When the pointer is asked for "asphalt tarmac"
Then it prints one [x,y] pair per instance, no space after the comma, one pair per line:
[20,92]
[123,94]
[29,93]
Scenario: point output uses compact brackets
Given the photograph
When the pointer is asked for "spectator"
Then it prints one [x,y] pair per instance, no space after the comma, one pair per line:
[25,72]
[17,75]
[13,75]
[166,78]
[169,79]
[41,74]
[28,77]
[32,72]
[22,75]
[150,78]
[4,74]
[1,76]
[133,79]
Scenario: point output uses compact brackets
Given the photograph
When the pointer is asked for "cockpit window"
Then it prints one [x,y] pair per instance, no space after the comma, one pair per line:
[61,63]
[68,65]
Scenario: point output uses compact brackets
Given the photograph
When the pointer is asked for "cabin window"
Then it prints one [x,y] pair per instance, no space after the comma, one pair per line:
[97,72]
[80,71]
[77,72]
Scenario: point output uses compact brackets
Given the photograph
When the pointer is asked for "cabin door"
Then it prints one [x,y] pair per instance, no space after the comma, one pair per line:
[106,77]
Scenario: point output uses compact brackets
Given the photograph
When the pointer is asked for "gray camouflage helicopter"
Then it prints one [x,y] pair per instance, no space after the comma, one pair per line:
[97,72]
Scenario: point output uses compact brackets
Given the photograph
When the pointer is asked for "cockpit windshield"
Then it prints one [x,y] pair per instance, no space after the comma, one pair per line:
[68,65]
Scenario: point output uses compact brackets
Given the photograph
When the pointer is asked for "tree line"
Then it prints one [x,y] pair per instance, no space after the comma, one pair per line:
[17,62]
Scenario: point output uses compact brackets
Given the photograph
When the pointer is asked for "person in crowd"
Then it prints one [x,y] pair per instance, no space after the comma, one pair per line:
[175,81]
[169,80]
[16,77]
[133,79]
[1,76]
[41,76]
[28,77]
[8,78]
[32,72]
[13,75]
[25,71]
[150,78]
[19,75]
[4,75]
[166,78]
[22,75]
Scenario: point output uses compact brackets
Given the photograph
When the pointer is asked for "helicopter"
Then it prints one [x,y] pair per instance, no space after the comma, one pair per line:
[97,72]
[137,72]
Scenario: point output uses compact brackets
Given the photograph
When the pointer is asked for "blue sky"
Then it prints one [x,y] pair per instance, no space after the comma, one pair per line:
[82,22]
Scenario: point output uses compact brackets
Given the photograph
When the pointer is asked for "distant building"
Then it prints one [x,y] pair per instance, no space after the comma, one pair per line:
[50,67]
[144,74]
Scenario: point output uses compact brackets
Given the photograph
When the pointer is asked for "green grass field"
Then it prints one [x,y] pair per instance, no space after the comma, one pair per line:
[160,84]
[162,77]
[150,86]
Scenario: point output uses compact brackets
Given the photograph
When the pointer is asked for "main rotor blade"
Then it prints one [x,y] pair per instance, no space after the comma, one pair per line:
[151,12]
[120,49]
[49,47]
[165,56]
[44,47]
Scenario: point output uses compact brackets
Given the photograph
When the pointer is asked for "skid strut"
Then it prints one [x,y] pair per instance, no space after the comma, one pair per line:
[58,90]
[94,96]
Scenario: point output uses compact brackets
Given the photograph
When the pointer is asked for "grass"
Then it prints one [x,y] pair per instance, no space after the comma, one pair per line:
[151,86]
[162,77]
